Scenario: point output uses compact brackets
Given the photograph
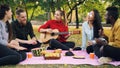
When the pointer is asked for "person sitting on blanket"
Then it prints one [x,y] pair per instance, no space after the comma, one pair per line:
[107,52]
[21,29]
[61,26]
[10,51]
[91,29]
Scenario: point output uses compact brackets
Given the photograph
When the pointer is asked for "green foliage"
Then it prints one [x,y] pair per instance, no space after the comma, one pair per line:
[89,5]
[38,8]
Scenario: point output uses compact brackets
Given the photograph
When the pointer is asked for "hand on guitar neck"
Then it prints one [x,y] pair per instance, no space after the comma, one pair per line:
[53,34]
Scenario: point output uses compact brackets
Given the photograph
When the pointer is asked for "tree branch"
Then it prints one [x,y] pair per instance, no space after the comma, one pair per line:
[76,4]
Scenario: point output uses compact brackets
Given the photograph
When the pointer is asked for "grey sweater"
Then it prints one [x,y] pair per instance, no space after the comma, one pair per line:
[3,34]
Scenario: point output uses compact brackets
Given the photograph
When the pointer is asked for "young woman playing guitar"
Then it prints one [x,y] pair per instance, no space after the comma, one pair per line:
[61,25]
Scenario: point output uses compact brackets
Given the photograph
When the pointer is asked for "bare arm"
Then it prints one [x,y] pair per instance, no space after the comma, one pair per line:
[14,44]
[31,41]
[21,41]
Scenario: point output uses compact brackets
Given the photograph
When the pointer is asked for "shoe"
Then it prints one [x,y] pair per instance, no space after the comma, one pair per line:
[69,53]
[104,60]
[77,48]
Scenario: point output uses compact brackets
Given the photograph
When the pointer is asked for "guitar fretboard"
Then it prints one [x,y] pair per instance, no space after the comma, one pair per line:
[59,33]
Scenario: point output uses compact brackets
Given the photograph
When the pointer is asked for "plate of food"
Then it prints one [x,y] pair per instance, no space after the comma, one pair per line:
[79,57]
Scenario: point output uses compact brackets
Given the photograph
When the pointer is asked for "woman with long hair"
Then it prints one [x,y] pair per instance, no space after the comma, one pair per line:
[91,29]
[10,51]
[60,23]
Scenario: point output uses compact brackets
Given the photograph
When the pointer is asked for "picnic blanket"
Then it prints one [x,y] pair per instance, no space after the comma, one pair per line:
[67,60]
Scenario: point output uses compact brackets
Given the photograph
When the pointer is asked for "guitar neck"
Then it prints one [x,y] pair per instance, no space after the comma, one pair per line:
[71,32]
[60,33]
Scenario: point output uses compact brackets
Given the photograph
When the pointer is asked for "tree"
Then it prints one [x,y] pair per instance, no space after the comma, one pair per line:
[36,7]
[89,5]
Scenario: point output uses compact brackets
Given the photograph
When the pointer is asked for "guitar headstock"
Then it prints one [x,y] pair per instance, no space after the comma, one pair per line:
[75,32]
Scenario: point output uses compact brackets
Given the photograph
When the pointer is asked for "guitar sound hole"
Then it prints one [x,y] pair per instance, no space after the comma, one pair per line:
[52,34]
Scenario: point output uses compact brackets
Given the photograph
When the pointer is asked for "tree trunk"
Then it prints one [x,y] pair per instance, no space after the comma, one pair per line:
[35,6]
[76,4]
[77,21]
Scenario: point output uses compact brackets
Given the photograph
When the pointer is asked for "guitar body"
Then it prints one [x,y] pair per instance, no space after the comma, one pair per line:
[45,37]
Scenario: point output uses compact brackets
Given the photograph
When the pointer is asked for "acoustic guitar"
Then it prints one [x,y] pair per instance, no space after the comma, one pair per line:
[45,36]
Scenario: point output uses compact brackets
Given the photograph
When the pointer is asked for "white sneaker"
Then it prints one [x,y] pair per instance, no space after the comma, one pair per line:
[104,60]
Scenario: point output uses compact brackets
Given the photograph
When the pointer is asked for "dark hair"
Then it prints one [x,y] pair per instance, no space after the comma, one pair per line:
[9,27]
[19,10]
[113,11]
[3,9]
[97,24]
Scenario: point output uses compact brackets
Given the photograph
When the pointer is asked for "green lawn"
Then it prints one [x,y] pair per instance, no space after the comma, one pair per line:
[58,66]
[77,39]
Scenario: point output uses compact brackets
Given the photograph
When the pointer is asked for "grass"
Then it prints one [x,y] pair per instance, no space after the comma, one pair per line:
[58,66]
[77,39]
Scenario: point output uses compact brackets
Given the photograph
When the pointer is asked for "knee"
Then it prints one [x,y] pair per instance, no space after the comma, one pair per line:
[39,43]
[72,44]
[22,56]
[17,59]
[89,49]
[52,41]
